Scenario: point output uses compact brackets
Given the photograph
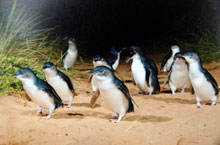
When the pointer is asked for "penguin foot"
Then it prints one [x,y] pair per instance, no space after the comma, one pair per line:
[115,115]
[46,118]
[213,103]
[40,110]
[198,104]
[114,121]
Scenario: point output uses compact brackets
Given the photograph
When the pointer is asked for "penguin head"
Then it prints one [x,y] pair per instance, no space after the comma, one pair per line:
[24,74]
[49,68]
[71,41]
[133,51]
[178,57]
[192,57]
[175,49]
[101,72]
[98,60]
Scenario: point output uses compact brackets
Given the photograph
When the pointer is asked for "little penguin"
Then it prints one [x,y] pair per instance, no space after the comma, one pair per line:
[98,60]
[178,77]
[203,83]
[115,94]
[168,59]
[39,91]
[60,82]
[71,54]
[144,71]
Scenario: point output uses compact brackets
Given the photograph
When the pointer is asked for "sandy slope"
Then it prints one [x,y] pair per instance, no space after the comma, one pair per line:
[161,120]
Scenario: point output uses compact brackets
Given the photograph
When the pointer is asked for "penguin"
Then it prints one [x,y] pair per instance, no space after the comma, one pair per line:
[98,60]
[115,94]
[71,54]
[168,59]
[39,91]
[144,71]
[60,82]
[178,77]
[203,83]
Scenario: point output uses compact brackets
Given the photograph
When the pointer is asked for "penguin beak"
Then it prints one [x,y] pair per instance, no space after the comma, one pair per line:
[14,75]
[89,72]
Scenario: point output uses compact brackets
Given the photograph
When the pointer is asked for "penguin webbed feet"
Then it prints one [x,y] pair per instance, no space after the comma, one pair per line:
[114,115]
[119,118]
[46,118]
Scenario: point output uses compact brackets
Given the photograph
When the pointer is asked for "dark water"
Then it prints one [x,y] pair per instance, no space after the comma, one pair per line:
[100,24]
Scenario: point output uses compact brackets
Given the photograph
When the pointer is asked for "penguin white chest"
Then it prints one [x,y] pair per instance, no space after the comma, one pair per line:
[61,88]
[113,98]
[70,58]
[179,76]
[139,74]
[38,96]
[202,87]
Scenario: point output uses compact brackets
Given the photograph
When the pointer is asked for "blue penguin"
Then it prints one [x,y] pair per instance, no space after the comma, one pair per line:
[71,54]
[144,71]
[203,83]
[168,59]
[39,91]
[114,93]
[178,77]
[60,82]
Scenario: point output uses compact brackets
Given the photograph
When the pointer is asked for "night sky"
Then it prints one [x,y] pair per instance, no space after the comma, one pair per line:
[101,24]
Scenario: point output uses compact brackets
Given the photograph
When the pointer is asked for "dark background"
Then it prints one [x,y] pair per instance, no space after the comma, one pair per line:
[100,24]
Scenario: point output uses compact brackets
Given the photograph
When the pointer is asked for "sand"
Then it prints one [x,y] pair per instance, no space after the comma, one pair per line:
[161,119]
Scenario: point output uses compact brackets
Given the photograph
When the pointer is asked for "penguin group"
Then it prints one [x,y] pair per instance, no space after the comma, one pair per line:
[108,83]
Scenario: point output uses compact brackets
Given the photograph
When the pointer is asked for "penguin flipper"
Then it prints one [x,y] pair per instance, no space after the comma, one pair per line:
[211,80]
[52,93]
[165,59]
[57,100]
[67,80]
[125,90]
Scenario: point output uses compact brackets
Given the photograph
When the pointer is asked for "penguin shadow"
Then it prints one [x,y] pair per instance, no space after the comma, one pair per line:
[85,105]
[170,92]
[95,114]
[171,100]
